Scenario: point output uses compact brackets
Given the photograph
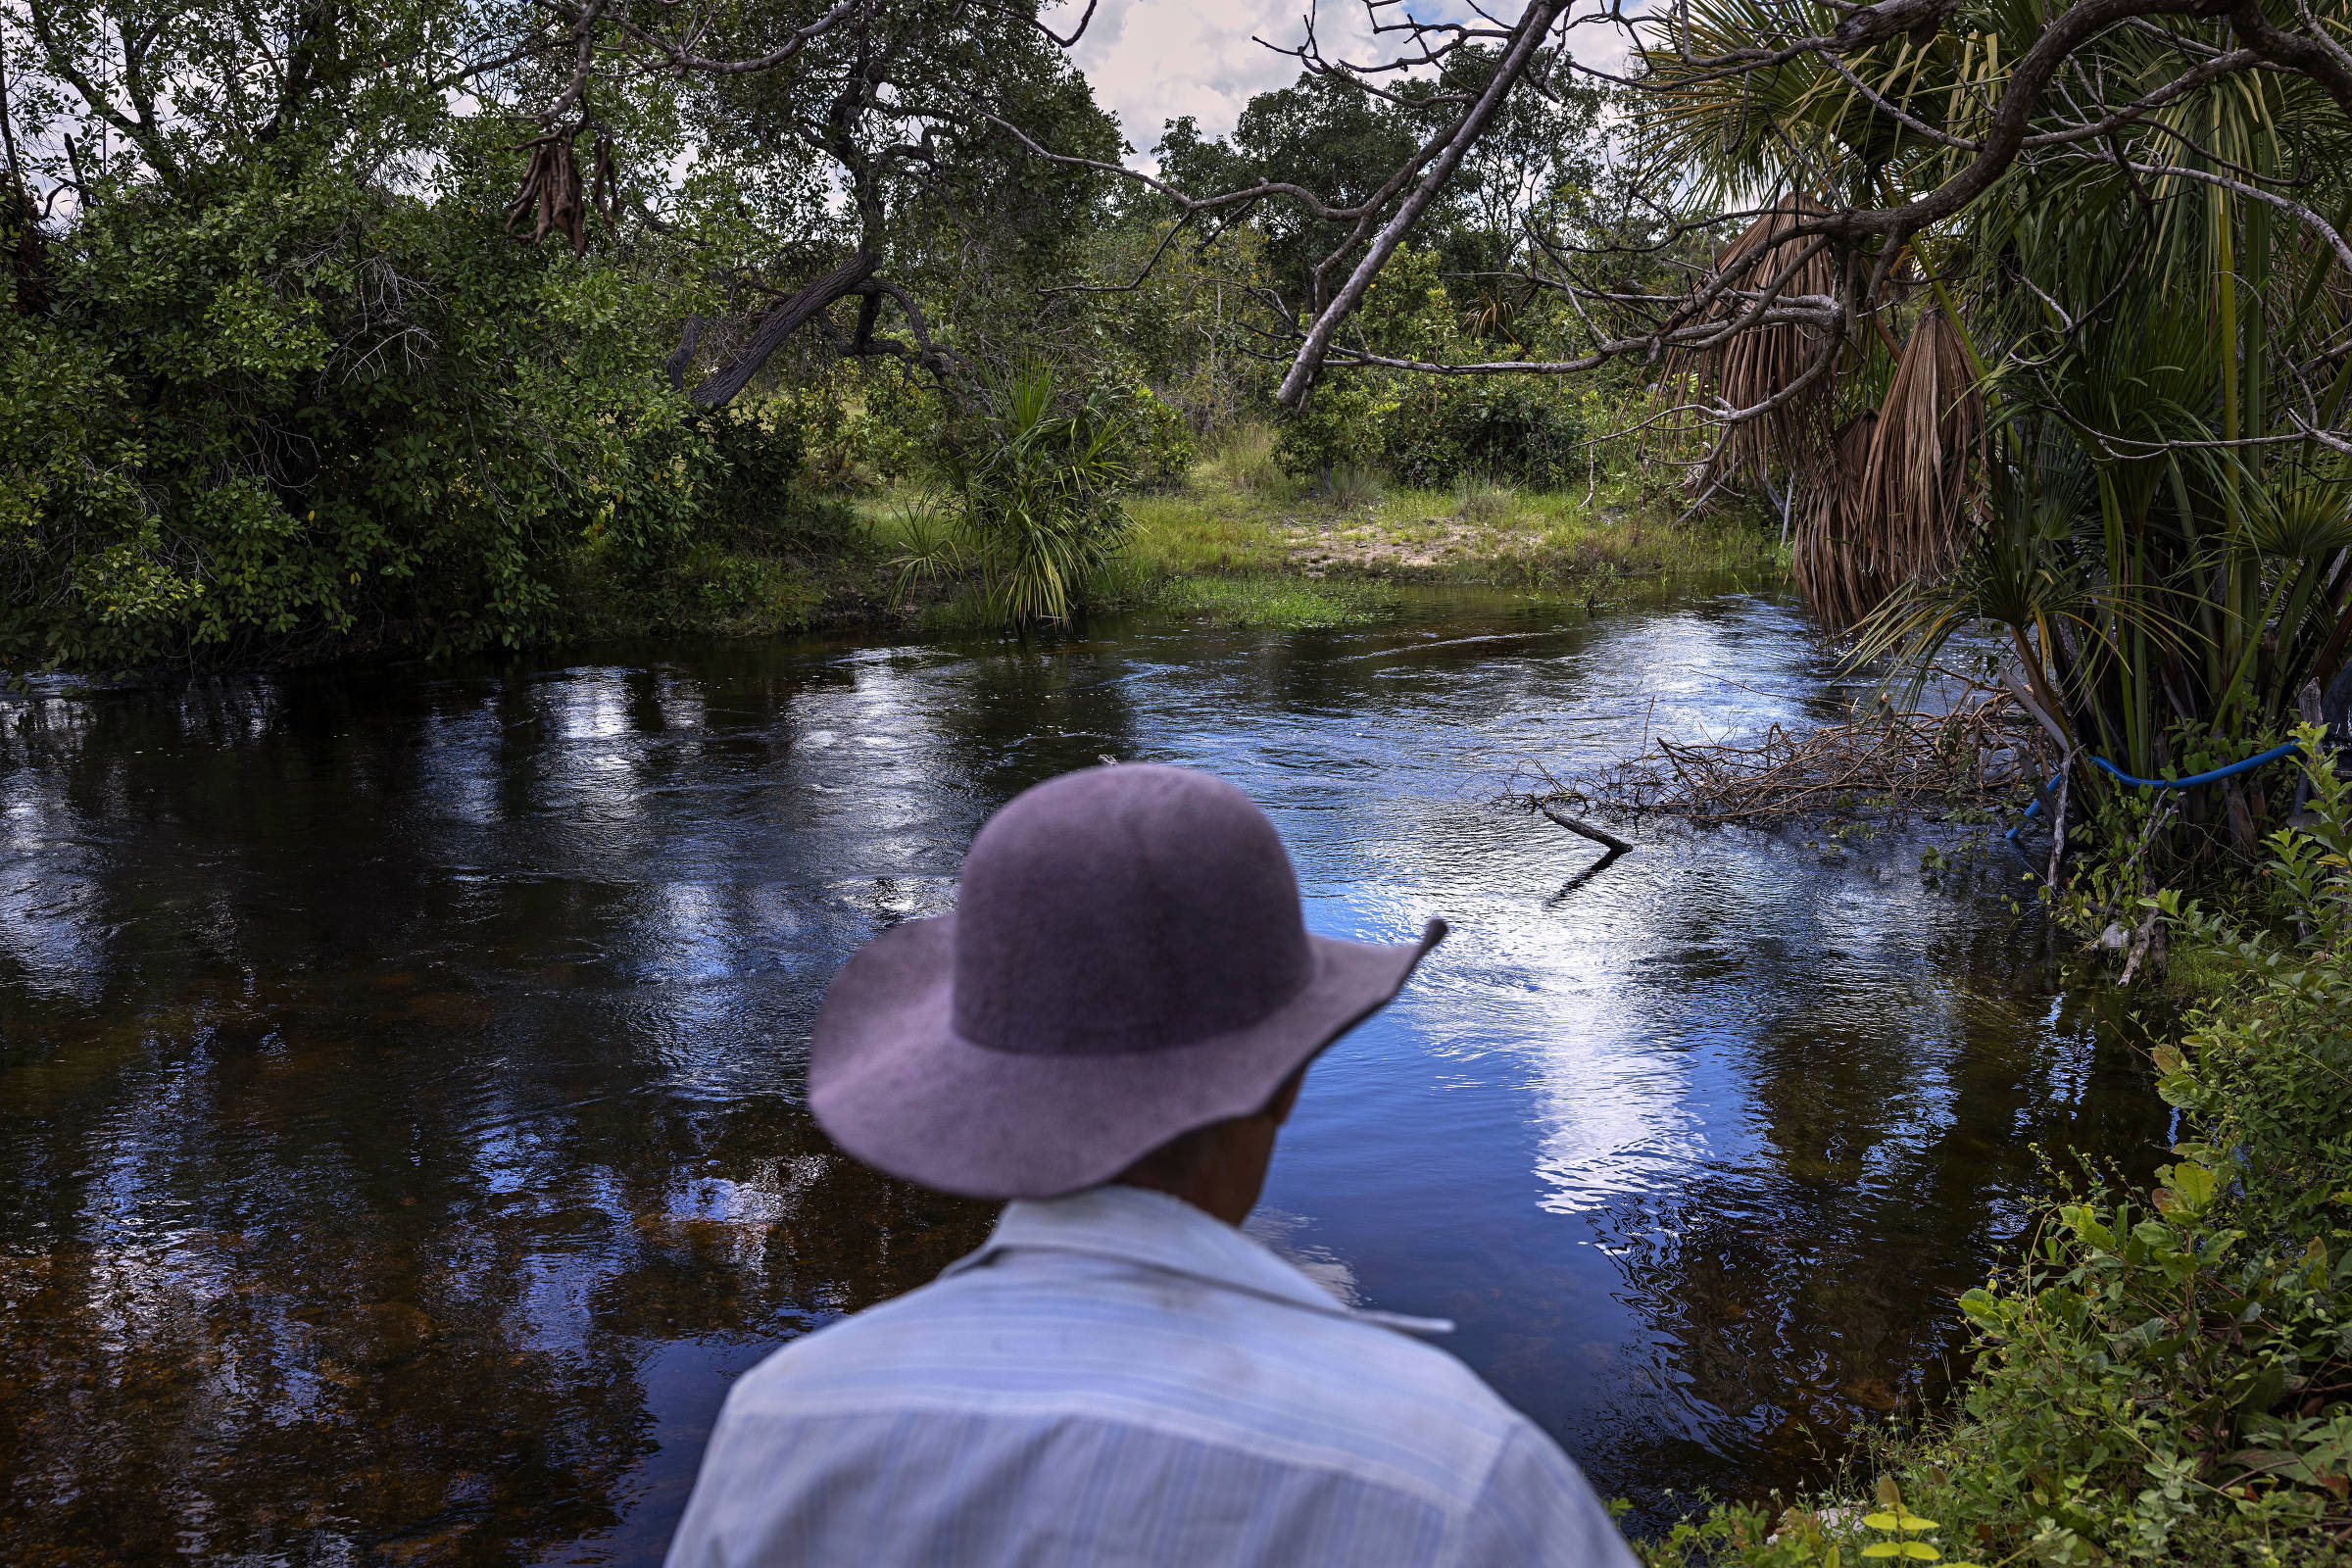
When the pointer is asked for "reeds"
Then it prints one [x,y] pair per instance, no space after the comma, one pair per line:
[1244,453]
[1353,484]
[1477,498]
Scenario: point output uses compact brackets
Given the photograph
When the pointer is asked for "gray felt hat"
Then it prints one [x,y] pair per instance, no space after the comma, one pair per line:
[1127,961]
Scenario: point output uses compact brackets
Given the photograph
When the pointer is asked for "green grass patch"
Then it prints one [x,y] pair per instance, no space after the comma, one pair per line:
[1283,603]
[1475,533]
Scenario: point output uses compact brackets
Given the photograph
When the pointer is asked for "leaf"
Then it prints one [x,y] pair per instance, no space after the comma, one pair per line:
[1921,1551]
[2191,1183]
[1879,1521]
[1882,1548]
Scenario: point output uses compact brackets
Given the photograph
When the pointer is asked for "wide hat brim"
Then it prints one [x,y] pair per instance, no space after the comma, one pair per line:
[894,1085]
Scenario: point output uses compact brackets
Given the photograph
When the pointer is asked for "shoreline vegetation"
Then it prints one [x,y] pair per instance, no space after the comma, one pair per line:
[1234,539]
[2157,1376]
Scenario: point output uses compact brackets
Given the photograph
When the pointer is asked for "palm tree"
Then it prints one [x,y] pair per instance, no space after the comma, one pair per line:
[2100,433]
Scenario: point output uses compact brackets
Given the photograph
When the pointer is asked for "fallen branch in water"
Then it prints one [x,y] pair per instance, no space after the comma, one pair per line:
[1978,754]
[1598,835]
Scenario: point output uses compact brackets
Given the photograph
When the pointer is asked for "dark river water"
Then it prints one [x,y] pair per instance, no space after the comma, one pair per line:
[401,1126]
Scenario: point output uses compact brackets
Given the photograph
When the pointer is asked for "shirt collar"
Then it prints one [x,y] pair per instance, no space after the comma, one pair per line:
[1136,1225]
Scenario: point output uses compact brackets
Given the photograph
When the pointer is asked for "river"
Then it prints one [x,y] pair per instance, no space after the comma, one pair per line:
[401,1126]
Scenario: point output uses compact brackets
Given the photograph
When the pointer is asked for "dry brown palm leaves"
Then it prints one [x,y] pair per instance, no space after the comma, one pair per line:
[1765,362]
[551,182]
[1832,573]
[1923,454]
[1890,504]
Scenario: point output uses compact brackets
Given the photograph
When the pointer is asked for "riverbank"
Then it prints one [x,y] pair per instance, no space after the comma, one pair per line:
[2161,1375]
[1250,549]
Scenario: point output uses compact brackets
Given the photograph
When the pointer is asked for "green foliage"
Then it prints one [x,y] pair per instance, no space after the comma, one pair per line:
[1282,604]
[1428,429]
[1037,514]
[1447,427]
[2271,1071]
[1159,445]
[2152,524]
[1326,134]
[1244,456]
[303,412]
[1340,424]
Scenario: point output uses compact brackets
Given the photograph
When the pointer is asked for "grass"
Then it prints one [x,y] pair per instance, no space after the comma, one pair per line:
[1475,532]
[1240,543]
[1283,603]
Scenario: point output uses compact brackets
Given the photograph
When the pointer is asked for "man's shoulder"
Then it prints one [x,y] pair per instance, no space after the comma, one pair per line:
[1191,1362]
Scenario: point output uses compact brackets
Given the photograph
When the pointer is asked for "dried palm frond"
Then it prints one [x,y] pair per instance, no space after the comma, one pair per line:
[1888,503]
[1837,580]
[1762,363]
[1921,456]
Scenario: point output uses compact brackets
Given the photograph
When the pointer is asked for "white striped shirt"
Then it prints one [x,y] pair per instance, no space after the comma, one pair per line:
[1118,1378]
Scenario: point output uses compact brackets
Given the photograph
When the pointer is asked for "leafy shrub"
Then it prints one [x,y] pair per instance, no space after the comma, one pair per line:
[295,411]
[1159,444]
[1340,424]
[1430,430]
[1445,427]
[1038,510]
[754,491]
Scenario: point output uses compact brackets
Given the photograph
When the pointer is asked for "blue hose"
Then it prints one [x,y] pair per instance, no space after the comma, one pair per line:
[2274,754]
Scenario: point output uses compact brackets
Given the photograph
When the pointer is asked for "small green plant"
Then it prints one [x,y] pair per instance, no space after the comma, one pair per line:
[1353,484]
[1907,1531]
[1477,498]
[1161,446]
[1244,456]
[1039,511]
[931,550]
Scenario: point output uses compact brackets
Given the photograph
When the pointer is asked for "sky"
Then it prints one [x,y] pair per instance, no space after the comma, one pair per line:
[1151,60]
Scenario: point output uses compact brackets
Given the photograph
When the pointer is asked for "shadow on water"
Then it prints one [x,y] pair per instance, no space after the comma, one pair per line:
[401,1142]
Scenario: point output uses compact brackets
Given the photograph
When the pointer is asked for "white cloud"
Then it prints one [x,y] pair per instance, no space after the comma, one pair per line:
[1151,60]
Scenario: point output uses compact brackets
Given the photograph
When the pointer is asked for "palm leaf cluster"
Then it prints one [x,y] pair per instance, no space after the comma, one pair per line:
[1036,510]
[2098,408]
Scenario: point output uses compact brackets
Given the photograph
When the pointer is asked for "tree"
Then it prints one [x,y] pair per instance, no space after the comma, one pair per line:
[858,159]
[284,386]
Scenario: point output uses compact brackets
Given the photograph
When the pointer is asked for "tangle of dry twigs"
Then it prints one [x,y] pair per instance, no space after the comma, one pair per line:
[1983,752]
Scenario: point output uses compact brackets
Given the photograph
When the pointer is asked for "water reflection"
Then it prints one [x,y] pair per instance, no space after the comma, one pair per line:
[399,1142]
